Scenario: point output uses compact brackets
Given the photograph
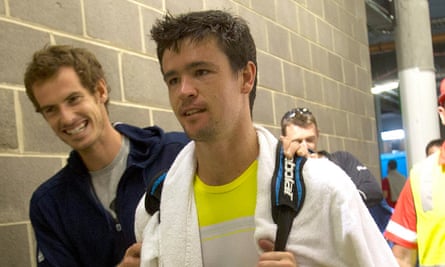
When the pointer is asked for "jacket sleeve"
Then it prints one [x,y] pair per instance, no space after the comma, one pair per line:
[51,250]
[363,179]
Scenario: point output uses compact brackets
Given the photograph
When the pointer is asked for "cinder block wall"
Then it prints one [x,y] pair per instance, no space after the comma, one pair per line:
[310,53]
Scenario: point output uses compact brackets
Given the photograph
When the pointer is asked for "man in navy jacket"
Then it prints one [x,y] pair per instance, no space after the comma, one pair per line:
[299,127]
[84,214]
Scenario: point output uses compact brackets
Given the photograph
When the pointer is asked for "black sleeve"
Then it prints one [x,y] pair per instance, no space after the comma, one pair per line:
[363,179]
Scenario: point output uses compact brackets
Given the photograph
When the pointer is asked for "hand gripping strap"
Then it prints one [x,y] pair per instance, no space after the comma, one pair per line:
[153,193]
[288,192]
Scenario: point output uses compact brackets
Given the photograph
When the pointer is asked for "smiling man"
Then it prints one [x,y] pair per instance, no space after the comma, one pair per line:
[84,214]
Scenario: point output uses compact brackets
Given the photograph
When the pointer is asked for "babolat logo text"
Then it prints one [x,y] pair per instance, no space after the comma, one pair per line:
[289,181]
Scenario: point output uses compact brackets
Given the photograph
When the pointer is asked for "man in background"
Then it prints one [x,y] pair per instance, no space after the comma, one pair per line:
[417,226]
[393,183]
[300,125]
[433,146]
[84,214]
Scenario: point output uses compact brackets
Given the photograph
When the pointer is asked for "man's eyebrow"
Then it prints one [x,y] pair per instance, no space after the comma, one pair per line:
[192,65]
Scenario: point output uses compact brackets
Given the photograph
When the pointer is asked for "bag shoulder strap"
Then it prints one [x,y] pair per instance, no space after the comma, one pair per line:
[153,193]
[287,194]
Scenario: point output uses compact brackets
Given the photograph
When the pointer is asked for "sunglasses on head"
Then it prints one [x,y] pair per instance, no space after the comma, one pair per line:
[295,111]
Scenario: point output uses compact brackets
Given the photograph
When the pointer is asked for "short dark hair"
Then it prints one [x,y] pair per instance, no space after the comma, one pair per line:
[435,142]
[392,164]
[232,35]
[47,62]
[301,117]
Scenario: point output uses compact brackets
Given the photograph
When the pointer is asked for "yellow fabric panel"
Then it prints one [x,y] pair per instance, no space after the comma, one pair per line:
[430,230]
[237,199]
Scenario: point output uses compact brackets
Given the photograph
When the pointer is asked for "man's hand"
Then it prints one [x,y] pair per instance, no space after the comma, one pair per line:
[132,257]
[292,147]
[272,258]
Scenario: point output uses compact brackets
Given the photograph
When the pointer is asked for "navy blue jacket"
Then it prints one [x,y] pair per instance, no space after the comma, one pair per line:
[71,226]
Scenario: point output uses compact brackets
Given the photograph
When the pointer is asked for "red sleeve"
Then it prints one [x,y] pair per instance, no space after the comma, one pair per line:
[402,227]
[385,184]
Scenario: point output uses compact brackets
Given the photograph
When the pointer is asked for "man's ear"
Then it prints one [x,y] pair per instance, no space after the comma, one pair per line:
[249,75]
[101,89]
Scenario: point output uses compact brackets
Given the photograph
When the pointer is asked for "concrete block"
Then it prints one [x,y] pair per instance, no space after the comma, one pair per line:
[20,176]
[258,28]
[108,58]
[355,126]
[152,3]
[287,14]
[37,134]
[148,19]
[116,22]
[245,3]
[143,82]
[8,130]
[331,93]
[14,54]
[314,87]
[131,115]
[335,70]
[278,41]
[331,13]
[324,34]
[369,129]
[316,7]
[301,54]
[15,248]
[166,120]
[346,21]
[50,13]
[221,5]
[363,80]
[333,143]
[263,107]
[319,59]
[354,51]
[177,7]
[306,24]
[269,72]
[293,80]
[326,119]
[265,8]
[350,77]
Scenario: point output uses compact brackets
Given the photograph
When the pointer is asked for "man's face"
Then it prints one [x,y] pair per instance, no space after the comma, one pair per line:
[307,136]
[75,115]
[209,100]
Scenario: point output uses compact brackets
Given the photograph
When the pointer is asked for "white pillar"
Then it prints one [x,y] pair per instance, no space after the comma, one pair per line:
[415,63]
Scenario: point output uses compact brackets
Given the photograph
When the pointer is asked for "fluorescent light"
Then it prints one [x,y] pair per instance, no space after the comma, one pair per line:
[385,87]
[393,135]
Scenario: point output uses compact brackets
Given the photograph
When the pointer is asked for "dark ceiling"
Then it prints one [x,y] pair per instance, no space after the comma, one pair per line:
[380,21]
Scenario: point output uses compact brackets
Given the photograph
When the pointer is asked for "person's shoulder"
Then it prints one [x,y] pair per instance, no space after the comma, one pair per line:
[176,137]
[53,186]
[343,155]
[152,133]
